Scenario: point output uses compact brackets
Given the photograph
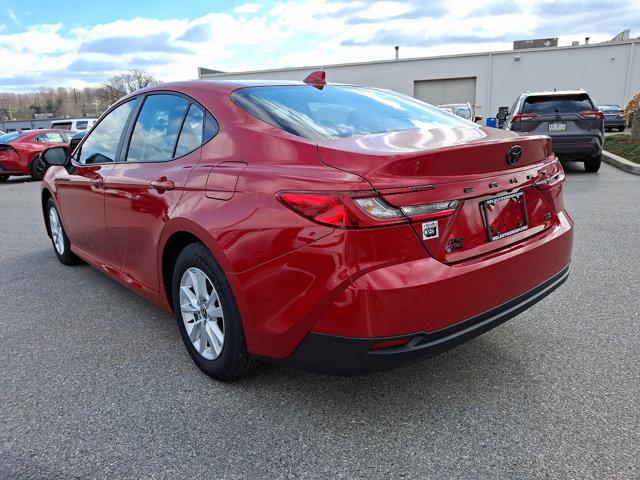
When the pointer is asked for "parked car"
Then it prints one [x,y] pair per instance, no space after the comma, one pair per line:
[464,110]
[613,117]
[73,124]
[337,228]
[570,118]
[447,109]
[20,151]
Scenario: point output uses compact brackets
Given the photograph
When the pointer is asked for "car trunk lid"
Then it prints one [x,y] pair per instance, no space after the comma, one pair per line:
[470,166]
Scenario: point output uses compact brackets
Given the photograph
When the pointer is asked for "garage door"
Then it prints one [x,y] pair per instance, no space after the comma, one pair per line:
[446,90]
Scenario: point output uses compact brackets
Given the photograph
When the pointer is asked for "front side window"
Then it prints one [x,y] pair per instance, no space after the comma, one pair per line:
[51,137]
[101,145]
[340,111]
[81,125]
[157,128]
[62,125]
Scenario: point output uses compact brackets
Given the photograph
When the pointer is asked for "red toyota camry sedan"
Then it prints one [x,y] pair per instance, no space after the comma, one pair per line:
[20,151]
[337,228]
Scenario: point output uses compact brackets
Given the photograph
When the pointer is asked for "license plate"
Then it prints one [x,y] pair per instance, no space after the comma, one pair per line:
[557,127]
[505,215]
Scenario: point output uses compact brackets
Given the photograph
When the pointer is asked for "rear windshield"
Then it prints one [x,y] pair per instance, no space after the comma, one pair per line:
[557,104]
[609,108]
[10,137]
[340,111]
[61,125]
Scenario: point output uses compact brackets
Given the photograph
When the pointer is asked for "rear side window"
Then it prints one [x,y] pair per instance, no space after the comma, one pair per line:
[542,104]
[157,128]
[191,134]
[61,125]
[102,143]
[81,125]
[339,111]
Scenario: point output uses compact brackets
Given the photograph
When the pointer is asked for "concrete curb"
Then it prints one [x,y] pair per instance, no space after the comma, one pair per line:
[621,163]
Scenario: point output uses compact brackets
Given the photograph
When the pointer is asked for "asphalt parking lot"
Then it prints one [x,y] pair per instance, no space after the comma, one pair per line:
[95,382]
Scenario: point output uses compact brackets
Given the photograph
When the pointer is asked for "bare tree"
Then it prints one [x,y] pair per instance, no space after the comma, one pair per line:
[124,83]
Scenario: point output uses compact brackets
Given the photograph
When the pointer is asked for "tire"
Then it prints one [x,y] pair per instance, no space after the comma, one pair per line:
[592,164]
[37,168]
[59,239]
[224,360]
[621,129]
[4,178]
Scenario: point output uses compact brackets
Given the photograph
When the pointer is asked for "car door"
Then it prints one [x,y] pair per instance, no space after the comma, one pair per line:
[81,192]
[162,149]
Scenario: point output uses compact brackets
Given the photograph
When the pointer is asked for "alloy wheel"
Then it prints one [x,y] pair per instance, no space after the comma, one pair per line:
[56,231]
[202,313]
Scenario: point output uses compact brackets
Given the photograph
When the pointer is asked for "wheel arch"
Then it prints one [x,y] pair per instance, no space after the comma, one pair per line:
[45,196]
[177,235]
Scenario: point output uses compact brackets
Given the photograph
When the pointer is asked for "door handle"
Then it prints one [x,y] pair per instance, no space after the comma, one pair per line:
[162,185]
[97,182]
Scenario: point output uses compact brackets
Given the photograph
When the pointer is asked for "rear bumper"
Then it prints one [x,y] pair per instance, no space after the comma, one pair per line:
[614,123]
[336,355]
[573,147]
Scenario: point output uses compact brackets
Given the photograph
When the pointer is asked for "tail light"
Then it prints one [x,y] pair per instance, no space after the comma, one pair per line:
[523,116]
[7,152]
[592,114]
[360,209]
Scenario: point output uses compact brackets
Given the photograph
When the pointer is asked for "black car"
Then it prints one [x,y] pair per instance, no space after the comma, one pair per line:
[613,117]
[570,118]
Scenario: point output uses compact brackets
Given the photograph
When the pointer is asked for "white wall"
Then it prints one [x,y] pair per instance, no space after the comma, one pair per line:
[601,69]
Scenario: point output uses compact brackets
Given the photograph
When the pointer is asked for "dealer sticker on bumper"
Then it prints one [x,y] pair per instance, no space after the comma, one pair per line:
[430,230]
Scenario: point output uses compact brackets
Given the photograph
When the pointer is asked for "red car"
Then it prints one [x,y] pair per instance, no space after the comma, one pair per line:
[20,151]
[337,228]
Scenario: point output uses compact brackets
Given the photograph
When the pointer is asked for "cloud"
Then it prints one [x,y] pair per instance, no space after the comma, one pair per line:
[247,8]
[159,42]
[292,33]
[13,17]
[197,33]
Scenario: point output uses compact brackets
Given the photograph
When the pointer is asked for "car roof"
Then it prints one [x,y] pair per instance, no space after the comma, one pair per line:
[555,93]
[223,86]
[65,120]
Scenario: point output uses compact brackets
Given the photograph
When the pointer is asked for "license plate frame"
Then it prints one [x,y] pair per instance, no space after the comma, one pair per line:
[500,208]
[557,127]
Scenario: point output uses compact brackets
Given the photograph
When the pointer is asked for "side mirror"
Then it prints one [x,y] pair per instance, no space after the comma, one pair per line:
[478,118]
[55,156]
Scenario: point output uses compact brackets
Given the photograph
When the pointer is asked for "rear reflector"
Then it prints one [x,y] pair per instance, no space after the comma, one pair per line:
[396,342]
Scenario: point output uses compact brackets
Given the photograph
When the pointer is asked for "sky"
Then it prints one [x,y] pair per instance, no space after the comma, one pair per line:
[81,43]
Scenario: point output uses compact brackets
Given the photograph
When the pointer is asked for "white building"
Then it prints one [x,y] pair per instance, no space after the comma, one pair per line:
[609,71]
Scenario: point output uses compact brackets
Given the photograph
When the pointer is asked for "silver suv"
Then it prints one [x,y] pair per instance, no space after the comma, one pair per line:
[570,118]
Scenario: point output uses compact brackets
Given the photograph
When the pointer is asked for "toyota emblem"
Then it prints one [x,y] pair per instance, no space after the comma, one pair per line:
[514,154]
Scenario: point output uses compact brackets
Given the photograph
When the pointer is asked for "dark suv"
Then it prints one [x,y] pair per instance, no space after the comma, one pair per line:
[570,118]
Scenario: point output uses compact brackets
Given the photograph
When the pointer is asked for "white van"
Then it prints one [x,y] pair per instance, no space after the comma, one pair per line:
[74,124]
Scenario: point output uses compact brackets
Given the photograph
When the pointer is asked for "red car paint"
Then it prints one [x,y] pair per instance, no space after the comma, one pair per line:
[16,156]
[292,276]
